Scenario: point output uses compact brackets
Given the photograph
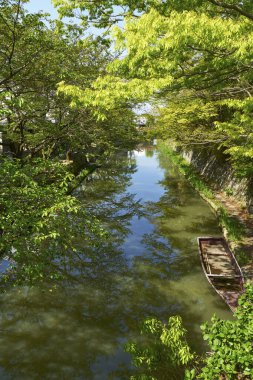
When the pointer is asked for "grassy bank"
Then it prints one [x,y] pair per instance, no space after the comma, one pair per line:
[233,229]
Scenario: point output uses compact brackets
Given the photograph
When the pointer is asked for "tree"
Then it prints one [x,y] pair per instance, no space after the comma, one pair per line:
[109,11]
[230,343]
[162,349]
[40,218]
[196,51]
[36,217]
[35,57]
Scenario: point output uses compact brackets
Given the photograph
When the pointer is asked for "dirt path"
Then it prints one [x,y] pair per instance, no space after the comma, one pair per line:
[235,210]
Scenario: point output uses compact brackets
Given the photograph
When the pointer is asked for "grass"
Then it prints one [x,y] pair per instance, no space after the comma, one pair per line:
[187,170]
[235,229]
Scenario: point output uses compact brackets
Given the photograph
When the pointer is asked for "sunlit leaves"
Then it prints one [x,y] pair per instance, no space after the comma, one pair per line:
[230,343]
[39,220]
[110,92]
[230,353]
[185,119]
[239,130]
[189,55]
[163,346]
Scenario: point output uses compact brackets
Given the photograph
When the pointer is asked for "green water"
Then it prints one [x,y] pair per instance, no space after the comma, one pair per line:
[147,266]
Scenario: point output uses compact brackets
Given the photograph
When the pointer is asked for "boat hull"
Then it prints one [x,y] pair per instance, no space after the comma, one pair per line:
[221,269]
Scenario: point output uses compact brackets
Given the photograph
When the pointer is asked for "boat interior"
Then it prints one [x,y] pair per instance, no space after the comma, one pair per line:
[219,266]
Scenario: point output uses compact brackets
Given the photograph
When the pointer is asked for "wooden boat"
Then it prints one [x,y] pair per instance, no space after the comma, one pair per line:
[221,269]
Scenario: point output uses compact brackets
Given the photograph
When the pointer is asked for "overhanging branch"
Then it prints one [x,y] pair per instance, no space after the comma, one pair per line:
[232,7]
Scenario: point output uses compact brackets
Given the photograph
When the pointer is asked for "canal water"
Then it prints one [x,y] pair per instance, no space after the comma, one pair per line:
[146,265]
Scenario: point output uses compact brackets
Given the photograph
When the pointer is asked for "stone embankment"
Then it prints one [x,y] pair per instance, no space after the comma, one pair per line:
[245,245]
[234,194]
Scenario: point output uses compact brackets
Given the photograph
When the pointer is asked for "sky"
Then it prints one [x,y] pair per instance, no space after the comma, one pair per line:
[38,5]
[46,6]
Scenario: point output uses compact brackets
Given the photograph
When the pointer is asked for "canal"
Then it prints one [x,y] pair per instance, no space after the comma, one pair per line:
[146,265]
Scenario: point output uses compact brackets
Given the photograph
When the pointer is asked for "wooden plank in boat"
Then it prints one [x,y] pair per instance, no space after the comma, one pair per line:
[216,258]
[223,276]
[220,265]
[217,249]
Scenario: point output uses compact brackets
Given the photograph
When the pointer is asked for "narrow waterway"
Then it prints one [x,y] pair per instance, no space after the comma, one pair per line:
[146,265]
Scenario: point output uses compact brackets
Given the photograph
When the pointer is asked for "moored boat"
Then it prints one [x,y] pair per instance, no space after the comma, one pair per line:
[221,269]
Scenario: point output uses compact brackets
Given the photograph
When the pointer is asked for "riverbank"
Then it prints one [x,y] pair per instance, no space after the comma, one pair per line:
[235,221]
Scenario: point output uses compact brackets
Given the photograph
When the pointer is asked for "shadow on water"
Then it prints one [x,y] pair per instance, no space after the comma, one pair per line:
[147,265]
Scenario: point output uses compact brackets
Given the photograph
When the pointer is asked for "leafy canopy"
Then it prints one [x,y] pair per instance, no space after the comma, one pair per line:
[40,218]
[198,51]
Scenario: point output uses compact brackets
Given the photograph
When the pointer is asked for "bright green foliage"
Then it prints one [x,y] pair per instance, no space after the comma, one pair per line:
[33,193]
[104,13]
[39,220]
[202,56]
[239,130]
[110,92]
[230,343]
[163,346]
[192,59]
[35,119]
[186,120]
[230,353]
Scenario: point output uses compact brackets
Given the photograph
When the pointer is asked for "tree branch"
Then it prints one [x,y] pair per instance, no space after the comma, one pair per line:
[232,7]
[13,73]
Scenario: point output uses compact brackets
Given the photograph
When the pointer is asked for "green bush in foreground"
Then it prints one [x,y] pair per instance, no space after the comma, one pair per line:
[164,348]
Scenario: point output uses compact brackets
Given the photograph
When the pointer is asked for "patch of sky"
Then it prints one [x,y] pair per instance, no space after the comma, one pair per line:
[46,6]
[34,6]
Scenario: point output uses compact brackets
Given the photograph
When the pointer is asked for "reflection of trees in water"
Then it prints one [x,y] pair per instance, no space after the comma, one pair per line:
[180,214]
[179,221]
[160,254]
[149,152]
[89,241]
[179,188]
[168,165]
[56,335]
[61,334]
[105,198]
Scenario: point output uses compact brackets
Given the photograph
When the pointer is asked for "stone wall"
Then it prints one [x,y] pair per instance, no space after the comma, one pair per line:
[214,167]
